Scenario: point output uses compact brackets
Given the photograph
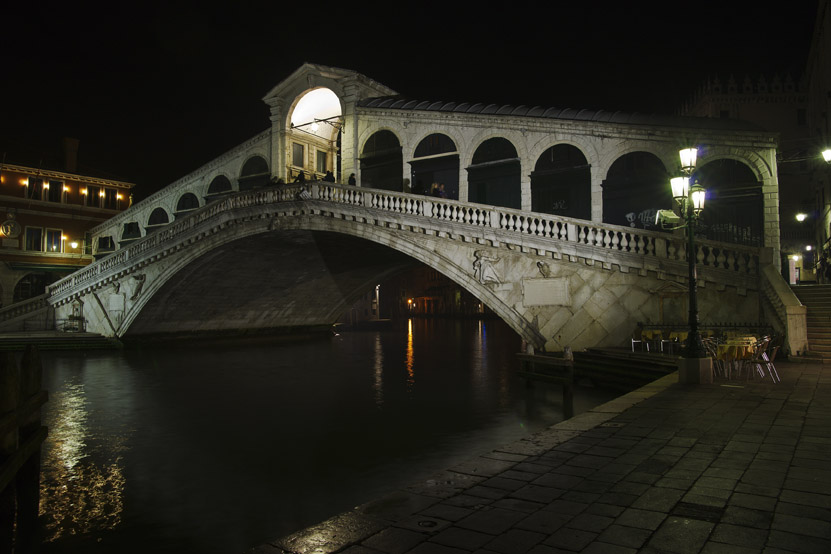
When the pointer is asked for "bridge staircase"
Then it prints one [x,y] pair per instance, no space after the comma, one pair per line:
[818,300]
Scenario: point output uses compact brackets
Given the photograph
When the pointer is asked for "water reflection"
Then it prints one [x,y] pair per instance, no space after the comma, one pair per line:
[410,356]
[79,494]
[218,449]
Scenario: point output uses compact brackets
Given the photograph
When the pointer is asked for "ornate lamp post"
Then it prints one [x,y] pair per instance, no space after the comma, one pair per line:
[691,202]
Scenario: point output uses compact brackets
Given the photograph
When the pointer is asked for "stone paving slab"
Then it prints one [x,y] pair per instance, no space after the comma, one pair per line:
[732,467]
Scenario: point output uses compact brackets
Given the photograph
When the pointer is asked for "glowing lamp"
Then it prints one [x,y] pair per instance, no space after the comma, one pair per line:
[84,192]
[795,257]
[102,194]
[801,217]
[315,126]
[688,156]
[45,186]
[66,188]
[697,195]
[826,155]
[73,244]
[809,248]
[680,187]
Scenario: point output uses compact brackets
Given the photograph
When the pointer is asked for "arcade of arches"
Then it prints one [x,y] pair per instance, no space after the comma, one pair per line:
[635,188]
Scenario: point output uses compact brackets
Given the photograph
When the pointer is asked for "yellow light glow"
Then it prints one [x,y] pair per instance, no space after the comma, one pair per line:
[45,186]
[84,191]
[801,217]
[66,188]
[24,182]
[795,257]
[101,194]
[73,244]
[118,196]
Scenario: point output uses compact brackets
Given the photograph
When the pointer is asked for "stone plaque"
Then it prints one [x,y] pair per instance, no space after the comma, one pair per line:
[545,292]
[11,243]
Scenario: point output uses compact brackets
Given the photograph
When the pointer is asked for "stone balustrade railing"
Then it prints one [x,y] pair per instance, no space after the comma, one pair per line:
[508,225]
[24,307]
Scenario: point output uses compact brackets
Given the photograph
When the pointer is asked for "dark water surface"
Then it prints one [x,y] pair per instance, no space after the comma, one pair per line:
[216,449]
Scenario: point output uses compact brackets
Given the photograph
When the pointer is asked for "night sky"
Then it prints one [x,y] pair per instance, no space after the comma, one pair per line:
[154,91]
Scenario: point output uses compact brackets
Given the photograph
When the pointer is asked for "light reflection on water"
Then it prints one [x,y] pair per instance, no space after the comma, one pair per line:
[221,448]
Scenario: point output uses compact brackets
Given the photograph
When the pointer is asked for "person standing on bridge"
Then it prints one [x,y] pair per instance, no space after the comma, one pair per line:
[301,177]
[352,181]
[329,178]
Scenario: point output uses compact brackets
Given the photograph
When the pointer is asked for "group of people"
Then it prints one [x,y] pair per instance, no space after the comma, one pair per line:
[436,189]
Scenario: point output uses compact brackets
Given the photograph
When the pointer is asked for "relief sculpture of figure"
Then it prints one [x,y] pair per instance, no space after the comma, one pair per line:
[140,279]
[483,268]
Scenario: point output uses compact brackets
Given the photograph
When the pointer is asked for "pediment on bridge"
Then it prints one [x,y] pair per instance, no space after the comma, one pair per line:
[670,288]
[309,76]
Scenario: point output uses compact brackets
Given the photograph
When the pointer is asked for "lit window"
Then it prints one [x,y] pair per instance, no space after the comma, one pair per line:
[53,240]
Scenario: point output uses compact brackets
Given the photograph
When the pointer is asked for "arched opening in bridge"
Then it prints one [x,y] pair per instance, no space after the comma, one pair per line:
[314,134]
[561,183]
[635,188]
[734,211]
[382,164]
[435,160]
[494,174]
[188,202]
[130,232]
[219,185]
[254,173]
[158,218]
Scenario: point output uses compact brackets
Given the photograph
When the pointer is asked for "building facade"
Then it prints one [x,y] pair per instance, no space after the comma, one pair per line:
[46,219]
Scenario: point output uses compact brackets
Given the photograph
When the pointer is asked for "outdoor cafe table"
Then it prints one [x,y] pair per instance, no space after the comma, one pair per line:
[736,349]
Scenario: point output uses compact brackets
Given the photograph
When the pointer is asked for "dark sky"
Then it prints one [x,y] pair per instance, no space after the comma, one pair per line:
[154,91]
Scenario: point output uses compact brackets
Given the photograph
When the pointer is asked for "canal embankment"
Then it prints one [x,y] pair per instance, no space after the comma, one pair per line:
[732,466]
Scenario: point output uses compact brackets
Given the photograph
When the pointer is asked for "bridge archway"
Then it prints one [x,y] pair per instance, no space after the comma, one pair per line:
[435,160]
[219,185]
[494,175]
[561,183]
[636,186]
[734,209]
[314,134]
[254,173]
[382,162]
[187,203]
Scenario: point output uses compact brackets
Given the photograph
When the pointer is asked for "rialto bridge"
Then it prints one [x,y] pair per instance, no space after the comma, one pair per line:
[548,219]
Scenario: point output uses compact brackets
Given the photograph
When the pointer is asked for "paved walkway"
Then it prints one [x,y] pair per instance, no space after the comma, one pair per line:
[726,468]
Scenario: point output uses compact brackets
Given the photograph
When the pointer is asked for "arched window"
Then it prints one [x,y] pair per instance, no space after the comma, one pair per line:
[382,162]
[158,217]
[561,183]
[187,203]
[635,188]
[435,161]
[494,176]
[254,174]
[130,232]
[219,185]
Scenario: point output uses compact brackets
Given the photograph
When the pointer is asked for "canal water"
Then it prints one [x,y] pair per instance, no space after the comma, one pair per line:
[218,448]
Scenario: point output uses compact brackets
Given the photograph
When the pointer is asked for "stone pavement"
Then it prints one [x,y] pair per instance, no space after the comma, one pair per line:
[732,467]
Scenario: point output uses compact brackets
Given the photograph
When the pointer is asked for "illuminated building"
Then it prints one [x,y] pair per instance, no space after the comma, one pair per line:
[45,216]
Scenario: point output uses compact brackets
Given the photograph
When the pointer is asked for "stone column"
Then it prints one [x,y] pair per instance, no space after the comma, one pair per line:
[597,194]
[349,149]
[278,139]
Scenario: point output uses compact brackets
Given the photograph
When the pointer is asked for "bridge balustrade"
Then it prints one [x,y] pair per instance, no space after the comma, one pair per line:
[733,258]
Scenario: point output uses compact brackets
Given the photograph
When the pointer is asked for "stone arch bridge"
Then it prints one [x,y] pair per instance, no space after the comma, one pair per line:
[273,258]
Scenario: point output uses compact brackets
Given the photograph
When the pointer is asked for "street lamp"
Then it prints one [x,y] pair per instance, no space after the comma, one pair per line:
[690,199]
